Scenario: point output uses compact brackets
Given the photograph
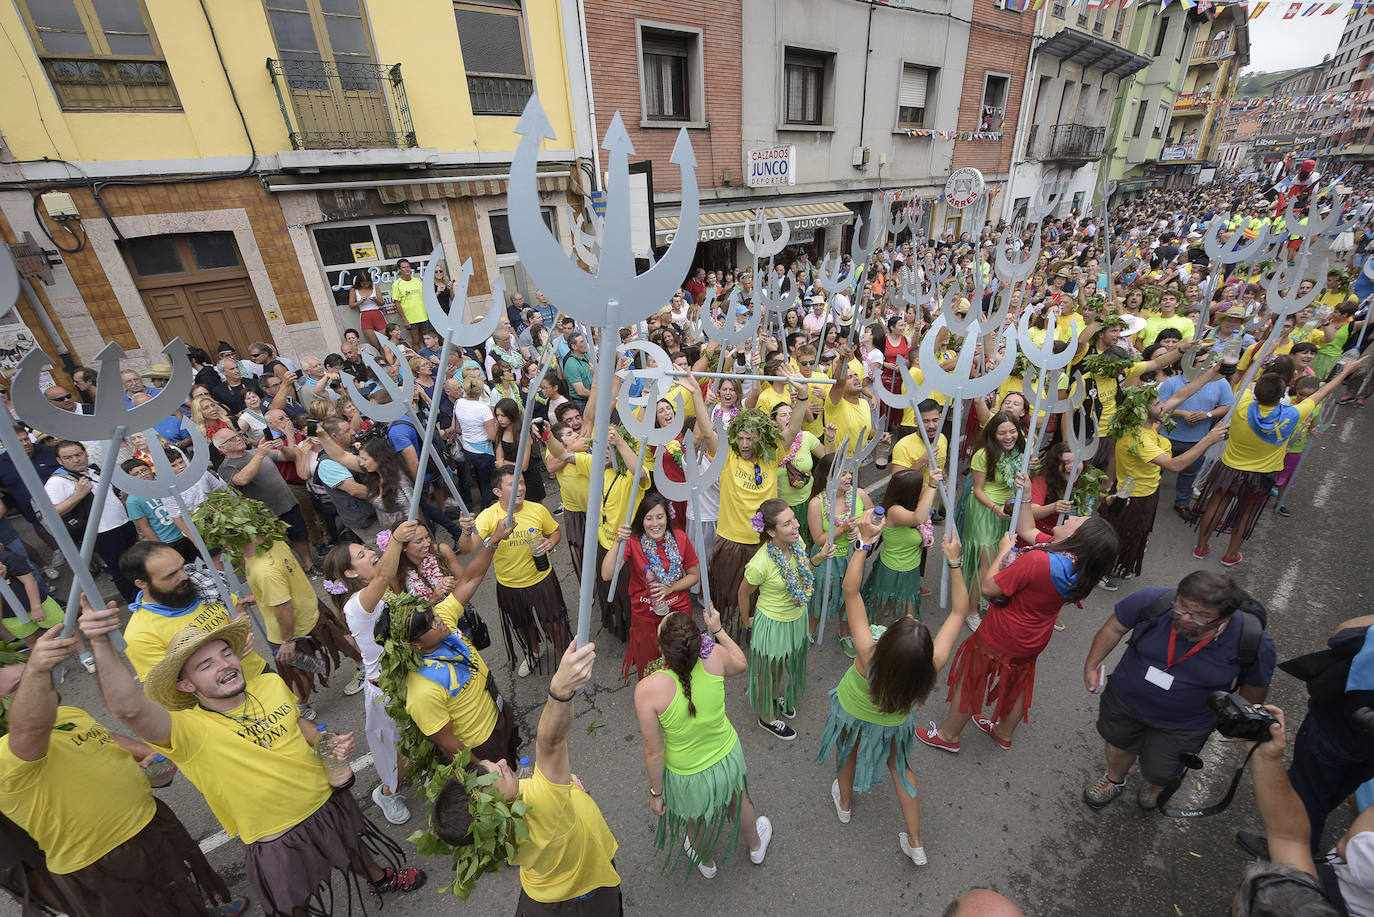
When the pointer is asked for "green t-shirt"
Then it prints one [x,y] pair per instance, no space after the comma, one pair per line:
[1157,323]
[1336,346]
[841,539]
[999,491]
[774,601]
[577,369]
[902,548]
[802,461]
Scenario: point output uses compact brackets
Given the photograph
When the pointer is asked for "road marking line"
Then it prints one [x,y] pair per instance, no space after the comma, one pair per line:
[219,838]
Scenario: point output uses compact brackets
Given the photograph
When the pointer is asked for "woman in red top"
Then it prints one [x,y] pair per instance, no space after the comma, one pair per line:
[1047,488]
[652,548]
[895,344]
[997,664]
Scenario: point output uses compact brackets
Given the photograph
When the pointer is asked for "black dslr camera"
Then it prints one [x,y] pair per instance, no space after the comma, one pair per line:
[1237,718]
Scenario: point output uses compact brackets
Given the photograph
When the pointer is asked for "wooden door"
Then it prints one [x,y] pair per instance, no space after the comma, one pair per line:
[196,287]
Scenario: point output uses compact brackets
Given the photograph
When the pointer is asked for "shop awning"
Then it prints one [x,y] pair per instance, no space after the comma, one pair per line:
[730,224]
[458,187]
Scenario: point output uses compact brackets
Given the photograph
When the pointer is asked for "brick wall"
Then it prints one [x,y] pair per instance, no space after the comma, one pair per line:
[269,229]
[615,81]
[999,41]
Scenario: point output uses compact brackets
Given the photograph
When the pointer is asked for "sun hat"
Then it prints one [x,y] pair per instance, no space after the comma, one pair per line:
[159,371]
[161,684]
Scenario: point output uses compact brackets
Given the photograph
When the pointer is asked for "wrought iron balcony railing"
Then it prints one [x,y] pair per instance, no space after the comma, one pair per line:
[1076,142]
[331,106]
[498,95]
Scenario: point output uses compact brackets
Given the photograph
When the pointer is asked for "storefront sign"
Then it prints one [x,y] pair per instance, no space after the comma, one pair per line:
[772,166]
[963,188]
[1177,153]
[1284,142]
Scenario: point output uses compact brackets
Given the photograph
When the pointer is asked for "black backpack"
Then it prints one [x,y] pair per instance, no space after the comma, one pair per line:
[1253,619]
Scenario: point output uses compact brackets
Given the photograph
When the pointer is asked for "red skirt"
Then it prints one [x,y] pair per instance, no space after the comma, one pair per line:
[984,676]
[642,647]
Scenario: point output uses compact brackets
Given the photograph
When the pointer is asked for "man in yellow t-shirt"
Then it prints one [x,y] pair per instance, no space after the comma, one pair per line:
[569,851]
[525,582]
[804,361]
[617,501]
[407,292]
[52,761]
[239,739]
[570,462]
[168,601]
[910,452]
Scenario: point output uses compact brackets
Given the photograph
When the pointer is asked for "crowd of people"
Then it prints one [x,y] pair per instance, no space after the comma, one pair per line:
[1179,366]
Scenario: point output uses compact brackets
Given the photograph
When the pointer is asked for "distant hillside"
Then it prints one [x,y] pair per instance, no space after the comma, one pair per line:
[1259,83]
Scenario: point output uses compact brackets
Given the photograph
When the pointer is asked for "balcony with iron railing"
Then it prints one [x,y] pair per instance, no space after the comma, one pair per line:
[342,105]
[1075,143]
[1207,49]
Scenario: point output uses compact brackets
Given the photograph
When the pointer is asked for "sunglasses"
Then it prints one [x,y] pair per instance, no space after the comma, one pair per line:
[758,475]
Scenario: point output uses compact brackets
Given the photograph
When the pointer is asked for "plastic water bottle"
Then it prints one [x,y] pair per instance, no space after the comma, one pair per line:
[1232,349]
[337,769]
[659,606]
[306,662]
[541,554]
[1127,489]
[160,772]
[879,513]
[525,770]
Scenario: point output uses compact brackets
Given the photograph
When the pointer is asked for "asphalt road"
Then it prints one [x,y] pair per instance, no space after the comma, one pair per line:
[1009,820]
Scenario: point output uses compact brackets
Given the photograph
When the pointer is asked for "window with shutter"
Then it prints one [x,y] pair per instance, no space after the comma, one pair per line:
[666,68]
[911,96]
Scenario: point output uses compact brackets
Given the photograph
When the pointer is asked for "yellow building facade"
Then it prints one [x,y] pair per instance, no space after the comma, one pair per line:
[223,170]
[1221,49]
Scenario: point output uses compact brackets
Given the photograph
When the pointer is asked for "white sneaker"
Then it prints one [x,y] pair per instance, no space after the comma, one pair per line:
[707,872]
[917,854]
[765,829]
[58,560]
[356,685]
[842,814]
[393,808]
[523,669]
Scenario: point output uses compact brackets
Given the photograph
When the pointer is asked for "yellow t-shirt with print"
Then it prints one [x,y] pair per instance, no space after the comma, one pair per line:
[276,577]
[1253,350]
[149,635]
[253,764]
[742,492]
[513,562]
[1315,335]
[82,799]
[471,712]
[850,420]
[1245,451]
[408,295]
[816,396]
[569,851]
[909,415]
[615,503]
[1135,455]
[911,449]
[573,480]
[1106,391]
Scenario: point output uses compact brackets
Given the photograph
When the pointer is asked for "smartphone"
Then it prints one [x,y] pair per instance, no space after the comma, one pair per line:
[312,428]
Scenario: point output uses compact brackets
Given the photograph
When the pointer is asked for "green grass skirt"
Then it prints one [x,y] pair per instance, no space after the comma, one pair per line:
[706,798]
[895,591]
[983,530]
[777,663]
[844,733]
[837,566]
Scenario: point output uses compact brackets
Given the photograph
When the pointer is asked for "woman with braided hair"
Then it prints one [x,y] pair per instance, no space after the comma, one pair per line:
[692,753]
[749,476]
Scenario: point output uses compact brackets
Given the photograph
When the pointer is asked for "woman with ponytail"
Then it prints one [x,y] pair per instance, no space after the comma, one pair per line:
[692,753]
[892,589]
[838,521]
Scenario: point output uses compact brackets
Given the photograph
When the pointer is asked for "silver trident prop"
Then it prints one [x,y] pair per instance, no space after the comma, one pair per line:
[1050,364]
[644,427]
[698,480]
[867,446]
[830,495]
[1080,443]
[615,295]
[453,331]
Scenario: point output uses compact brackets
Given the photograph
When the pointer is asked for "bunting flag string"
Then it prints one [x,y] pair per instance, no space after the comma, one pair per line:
[953,135]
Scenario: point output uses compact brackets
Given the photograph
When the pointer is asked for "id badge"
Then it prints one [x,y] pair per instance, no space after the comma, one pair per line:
[1159,678]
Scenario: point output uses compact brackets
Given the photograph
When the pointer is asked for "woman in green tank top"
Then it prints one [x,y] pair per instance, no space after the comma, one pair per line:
[692,753]
[870,726]
[798,462]
[837,523]
[893,586]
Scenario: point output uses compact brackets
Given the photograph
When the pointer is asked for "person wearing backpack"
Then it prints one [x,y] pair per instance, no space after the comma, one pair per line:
[1207,635]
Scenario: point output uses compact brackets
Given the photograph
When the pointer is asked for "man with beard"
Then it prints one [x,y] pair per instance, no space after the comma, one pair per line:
[238,739]
[167,602]
[1185,644]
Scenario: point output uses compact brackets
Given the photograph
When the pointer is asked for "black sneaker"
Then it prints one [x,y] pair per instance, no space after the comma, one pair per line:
[1257,845]
[398,880]
[789,712]
[779,729]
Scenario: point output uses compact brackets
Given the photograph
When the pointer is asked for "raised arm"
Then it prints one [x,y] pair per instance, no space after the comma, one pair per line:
[949,631]
[149,721]
[551,738]
[34,709]
[706,432]
[869,530]
[1285,820]
[1336,381]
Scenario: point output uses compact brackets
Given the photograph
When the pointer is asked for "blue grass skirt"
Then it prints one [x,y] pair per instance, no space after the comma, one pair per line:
[706,799]
[898,590]
[837,567]
[844,733]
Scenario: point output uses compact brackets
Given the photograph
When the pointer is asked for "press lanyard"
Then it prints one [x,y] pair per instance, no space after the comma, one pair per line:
[1173,638]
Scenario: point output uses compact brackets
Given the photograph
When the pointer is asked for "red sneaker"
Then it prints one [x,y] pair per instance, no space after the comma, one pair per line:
[933,738]
[986,725]
[1230,560]
[398,880]
[1202,555]
[925,592]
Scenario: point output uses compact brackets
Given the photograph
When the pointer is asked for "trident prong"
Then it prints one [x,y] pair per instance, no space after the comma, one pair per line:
[1016,271]
[31,404]
[729,335]
[828,272]
[401,394]
[450,324]
[1281,296]
[1047,199]
[832,492]
[1080,446]
[760,239]
[1232,252]
[587,243]
[698,479]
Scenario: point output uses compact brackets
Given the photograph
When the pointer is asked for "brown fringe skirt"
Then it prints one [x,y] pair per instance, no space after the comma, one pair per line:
[574,530]
[328,641]
[160,870]
[615,611]
[24,873]
[728,560]
[1133,526]
[520,608]
[604,902]
[1241,492]
[296,870]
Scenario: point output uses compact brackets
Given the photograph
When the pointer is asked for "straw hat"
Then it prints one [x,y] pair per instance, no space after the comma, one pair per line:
[1235,310]
[161,684]
[159,371]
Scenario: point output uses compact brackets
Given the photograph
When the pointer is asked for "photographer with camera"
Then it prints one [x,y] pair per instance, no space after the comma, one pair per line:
[1206,636]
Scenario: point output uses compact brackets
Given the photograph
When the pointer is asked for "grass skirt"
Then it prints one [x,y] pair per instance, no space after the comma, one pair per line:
[708,799]
[328,642]
[777,663]
[1133,526]
[519,608]
[982,531]
[1241,492]
[896,590]
[985,675]
[837,567]
[870,743]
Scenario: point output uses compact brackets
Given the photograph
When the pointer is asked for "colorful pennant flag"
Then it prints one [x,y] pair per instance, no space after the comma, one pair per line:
[1311,9]
[1258,8]
[1331,9]
[1293,9]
